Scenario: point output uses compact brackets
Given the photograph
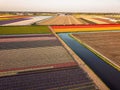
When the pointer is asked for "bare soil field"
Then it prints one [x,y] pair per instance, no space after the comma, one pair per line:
[61,20]
[93,19]
[107,43]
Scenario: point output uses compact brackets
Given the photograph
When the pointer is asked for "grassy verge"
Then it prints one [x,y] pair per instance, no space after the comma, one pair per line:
[96,53]
[11,30]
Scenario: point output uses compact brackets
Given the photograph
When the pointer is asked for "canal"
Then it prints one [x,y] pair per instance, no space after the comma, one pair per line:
[109,75]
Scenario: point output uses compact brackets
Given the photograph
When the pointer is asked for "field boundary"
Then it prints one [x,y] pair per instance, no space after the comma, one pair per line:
[100,84]
[105,59]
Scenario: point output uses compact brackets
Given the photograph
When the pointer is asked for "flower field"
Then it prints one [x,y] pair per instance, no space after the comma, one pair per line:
[15,20]
[10,30]
[29,21]
[32,52]
[79,28]
[35,56]
[64,79]
[3,22]
[41,54]
[2,19]
[14,16]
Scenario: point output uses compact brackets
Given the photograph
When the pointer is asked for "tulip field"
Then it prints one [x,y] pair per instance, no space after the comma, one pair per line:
[35,55]
[20,20]
[28,21]
[41,54]
[89,28]
[64,79]
[32,51]
[3,22]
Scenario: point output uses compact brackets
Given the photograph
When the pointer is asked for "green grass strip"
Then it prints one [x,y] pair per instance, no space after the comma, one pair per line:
[11,30]
[99,55]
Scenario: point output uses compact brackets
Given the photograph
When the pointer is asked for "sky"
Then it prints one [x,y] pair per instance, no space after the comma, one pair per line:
[61,5]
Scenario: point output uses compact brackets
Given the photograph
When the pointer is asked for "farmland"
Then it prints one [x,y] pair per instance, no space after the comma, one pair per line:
[94,19]
[12,20]
[106,43]
[38,51]
[54,80]
[45,57]
[88,28]
[38,57]
[18,20]
[29,21]
[60,20]
[34,50]
[7,30]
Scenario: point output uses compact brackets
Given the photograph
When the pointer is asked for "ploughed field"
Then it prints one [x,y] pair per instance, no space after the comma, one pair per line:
[106,43]
[95,19]
[60,20]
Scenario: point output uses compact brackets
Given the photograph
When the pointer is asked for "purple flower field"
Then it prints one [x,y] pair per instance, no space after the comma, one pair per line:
[12,21]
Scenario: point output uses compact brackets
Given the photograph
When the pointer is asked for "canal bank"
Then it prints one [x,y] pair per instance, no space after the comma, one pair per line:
[107,73]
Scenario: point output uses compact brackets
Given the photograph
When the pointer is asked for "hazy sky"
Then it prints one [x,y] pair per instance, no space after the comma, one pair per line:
[61,5]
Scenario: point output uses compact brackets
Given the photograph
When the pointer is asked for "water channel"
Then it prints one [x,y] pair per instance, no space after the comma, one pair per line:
[109,75]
